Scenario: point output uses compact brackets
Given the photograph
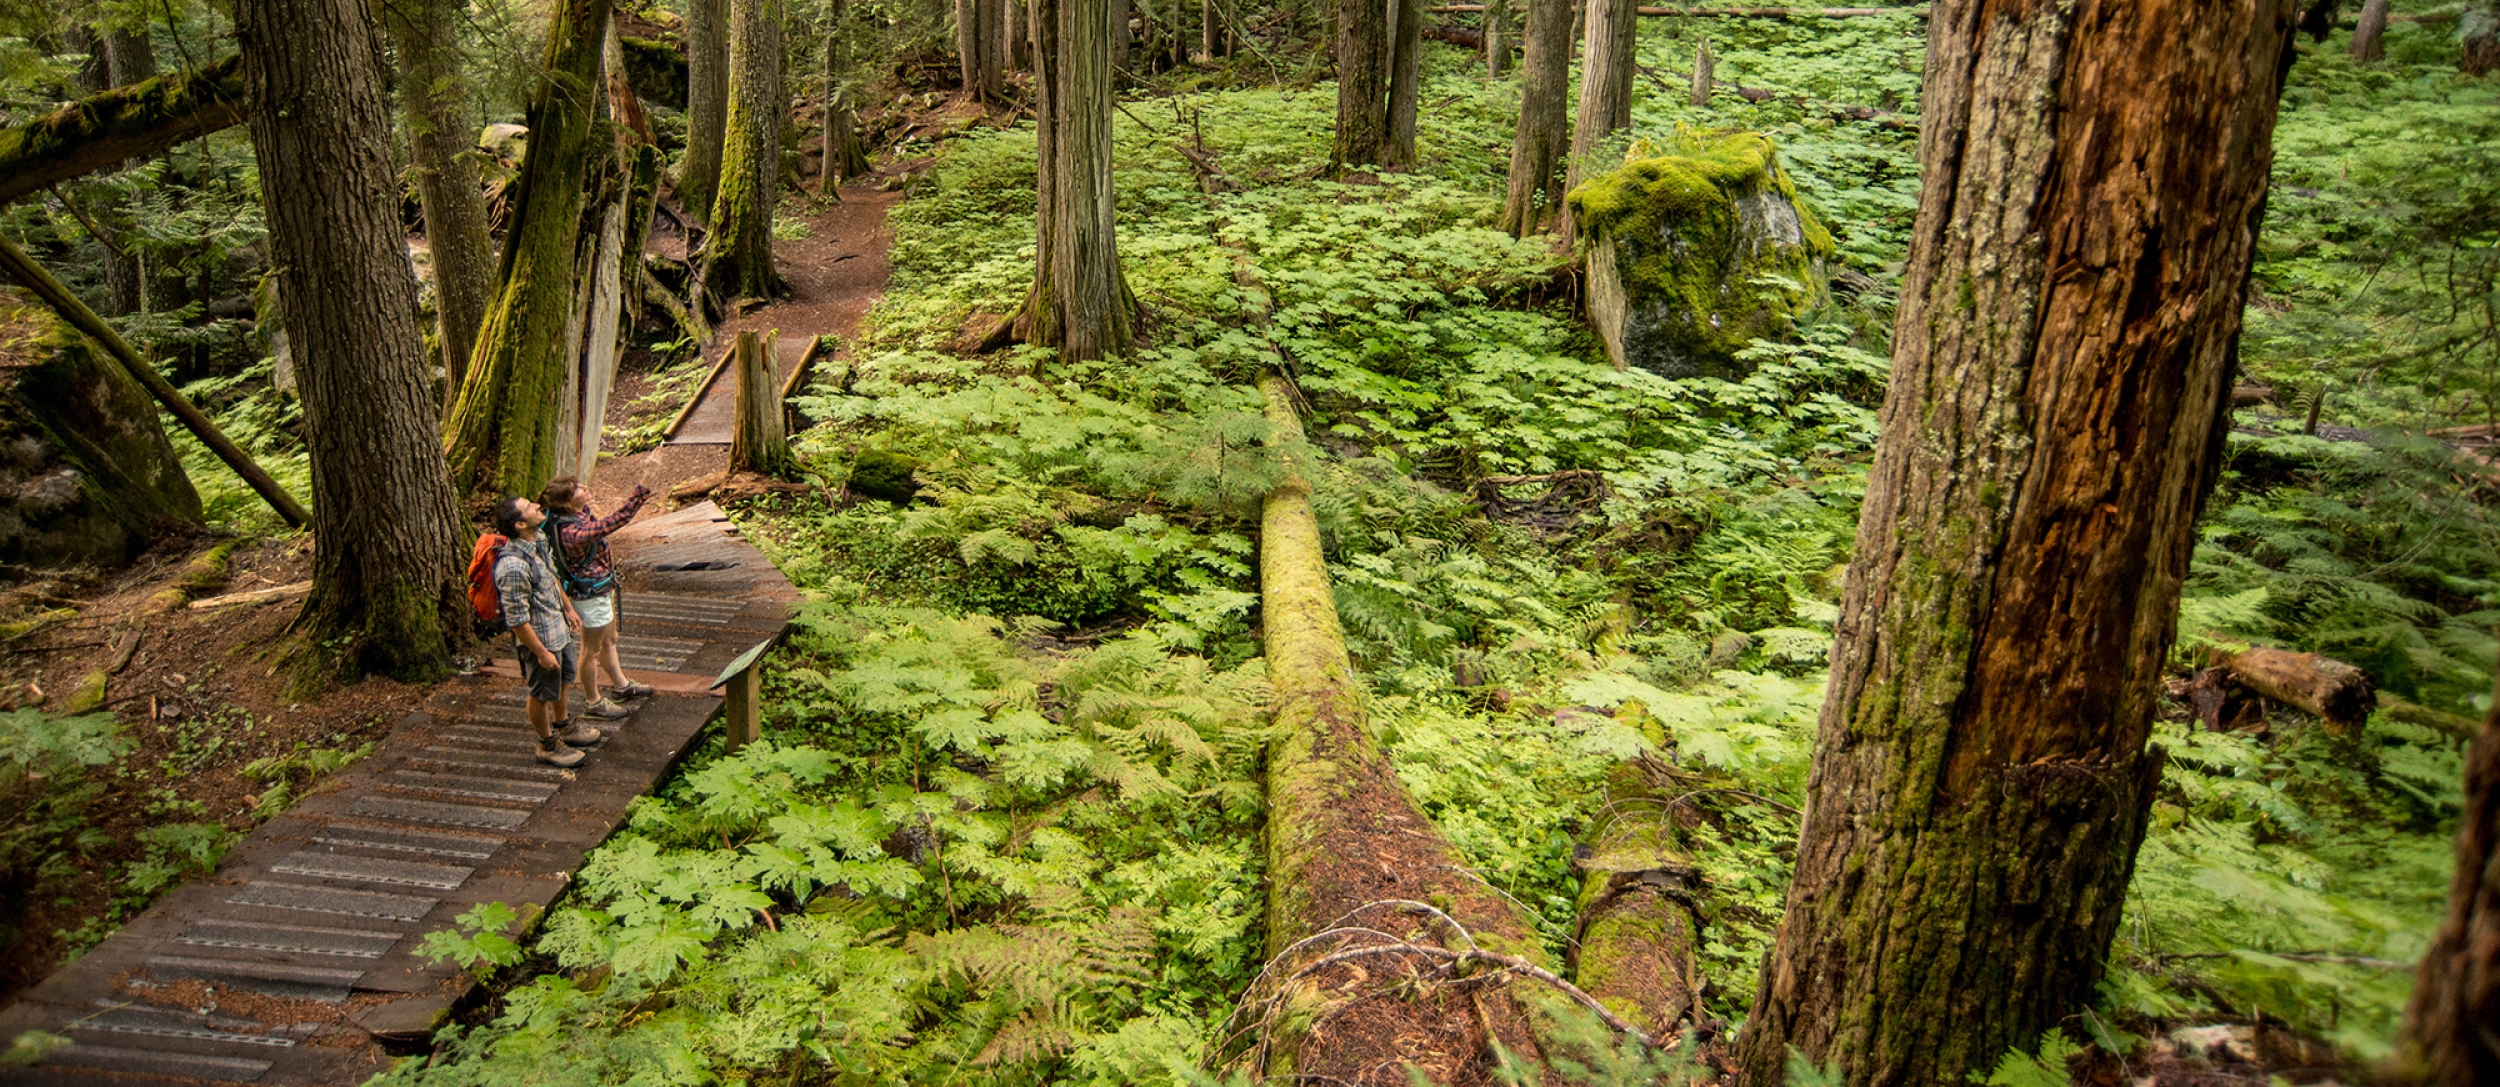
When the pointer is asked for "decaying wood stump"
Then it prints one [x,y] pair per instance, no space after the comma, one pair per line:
[757,442]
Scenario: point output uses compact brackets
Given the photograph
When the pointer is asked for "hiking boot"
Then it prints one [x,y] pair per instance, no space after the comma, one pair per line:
[605,709]
[577,734]
[555,752]
[631,689]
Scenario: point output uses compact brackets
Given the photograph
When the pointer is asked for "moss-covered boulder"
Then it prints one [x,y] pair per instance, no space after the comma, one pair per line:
[1696,247]
[87,474]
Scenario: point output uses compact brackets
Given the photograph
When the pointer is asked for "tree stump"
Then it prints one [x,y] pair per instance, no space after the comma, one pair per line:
[757,441]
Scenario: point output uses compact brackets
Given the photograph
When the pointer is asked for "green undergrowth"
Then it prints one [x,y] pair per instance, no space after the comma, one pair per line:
[1005,827]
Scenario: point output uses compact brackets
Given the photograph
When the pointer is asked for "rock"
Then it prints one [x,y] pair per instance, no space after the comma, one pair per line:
[878,473]
[1696,250]
[505,143]
[87,474]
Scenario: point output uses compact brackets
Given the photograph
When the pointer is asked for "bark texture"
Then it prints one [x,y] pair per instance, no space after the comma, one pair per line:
[2450,1037]
[2366,44]
[128,58]
[434,100]
[385,576]
[1362,53]
[2478,32]
[757,439]
[707,104]
[2094,175]
[738,256]
[502,431]
[1536,146]
[103,130]
[1605,87]
[1081,302]
[1406,73]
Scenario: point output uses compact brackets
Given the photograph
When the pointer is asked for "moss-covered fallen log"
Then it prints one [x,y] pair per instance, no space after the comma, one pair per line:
[101,131]
[1638,929]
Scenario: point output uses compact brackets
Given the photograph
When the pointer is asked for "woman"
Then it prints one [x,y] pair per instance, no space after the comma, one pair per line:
[579,541]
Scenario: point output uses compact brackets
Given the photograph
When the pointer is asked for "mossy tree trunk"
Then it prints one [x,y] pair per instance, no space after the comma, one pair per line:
[738,256]
[1536,146]
[434,99]
[386,585]
[2367,46]
[1406,73]
[2456,992]
[1638,928]
[1080,302]
[502,432]
[1362,53]
[707,104]
[2062,365]
[1611,28]
[87,405]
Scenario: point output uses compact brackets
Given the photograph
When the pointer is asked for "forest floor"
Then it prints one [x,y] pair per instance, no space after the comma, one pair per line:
[835,259]
[219,742]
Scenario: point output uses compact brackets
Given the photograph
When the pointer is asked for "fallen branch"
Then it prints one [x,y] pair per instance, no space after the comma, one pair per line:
[255,596]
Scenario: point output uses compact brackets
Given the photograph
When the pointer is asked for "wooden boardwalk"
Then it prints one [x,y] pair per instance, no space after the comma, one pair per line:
[297,962]
[713,413]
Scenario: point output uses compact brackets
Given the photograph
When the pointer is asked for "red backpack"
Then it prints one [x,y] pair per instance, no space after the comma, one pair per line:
[483,596]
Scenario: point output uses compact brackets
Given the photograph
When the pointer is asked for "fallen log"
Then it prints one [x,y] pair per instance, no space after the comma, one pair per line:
[1352,861]
[101,131]
[1638,929]
[2323,687]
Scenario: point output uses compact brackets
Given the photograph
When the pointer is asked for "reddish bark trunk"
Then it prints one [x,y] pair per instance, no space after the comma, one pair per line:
[2093,176]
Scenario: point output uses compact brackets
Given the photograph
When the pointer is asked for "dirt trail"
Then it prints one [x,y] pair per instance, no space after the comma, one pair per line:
[835,273]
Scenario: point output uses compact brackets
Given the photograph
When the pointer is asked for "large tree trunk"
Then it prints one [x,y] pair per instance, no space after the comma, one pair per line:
[738,257]
[2061,384]
[1362,49]
[2478,31]
[2456,992]
[103,130]
[1612,26]
[1406,72]
[1536,146]
[128,58]
[707,104]
[386,586]
[1081,302]
[992,73]
[2366,46]
[434,97]
[502,432]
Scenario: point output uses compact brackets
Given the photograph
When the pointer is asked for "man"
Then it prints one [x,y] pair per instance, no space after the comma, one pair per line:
[543,625]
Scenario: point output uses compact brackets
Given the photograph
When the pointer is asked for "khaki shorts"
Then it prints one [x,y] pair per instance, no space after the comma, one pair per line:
[598,611]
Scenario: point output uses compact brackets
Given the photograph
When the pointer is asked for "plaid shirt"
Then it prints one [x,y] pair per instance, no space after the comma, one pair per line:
[584,539]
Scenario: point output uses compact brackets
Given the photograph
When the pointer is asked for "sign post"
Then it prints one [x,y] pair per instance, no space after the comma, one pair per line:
[742,716]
